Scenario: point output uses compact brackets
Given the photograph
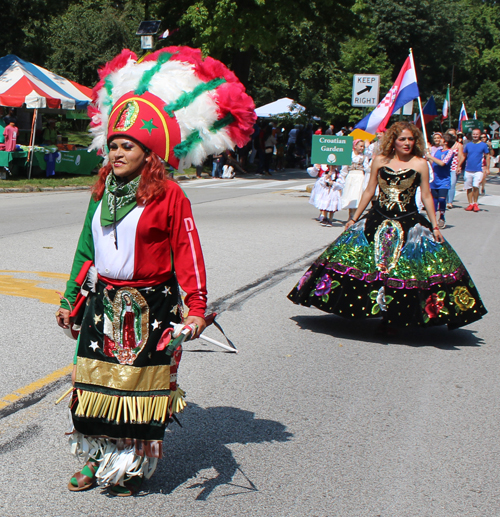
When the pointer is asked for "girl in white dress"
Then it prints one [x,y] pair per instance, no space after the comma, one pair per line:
[316,171]
[354,176]
[326,195]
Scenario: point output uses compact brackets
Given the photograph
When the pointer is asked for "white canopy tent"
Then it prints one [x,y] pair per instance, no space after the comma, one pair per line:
[284,106]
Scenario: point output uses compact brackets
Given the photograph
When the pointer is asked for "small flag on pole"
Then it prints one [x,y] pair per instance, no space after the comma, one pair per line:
[462,116]
[430,112]
[404,90]
[446,106]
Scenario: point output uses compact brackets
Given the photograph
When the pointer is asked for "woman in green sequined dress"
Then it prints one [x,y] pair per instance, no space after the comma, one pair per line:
[393,262]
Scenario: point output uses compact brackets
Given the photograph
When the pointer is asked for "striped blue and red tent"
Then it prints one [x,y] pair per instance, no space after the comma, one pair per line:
[23,83]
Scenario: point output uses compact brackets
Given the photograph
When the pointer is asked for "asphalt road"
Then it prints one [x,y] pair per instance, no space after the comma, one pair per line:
[316,416]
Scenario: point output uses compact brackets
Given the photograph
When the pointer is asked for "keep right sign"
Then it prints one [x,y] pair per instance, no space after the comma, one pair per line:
[365,90]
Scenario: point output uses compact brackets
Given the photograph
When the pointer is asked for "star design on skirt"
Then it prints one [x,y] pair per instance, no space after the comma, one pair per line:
[166,291]
[174,309]
[147,289]
[94,345]
[97,319]
[156,324]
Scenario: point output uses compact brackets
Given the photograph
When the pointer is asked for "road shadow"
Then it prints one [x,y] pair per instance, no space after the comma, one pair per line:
[201,444]
[366,330]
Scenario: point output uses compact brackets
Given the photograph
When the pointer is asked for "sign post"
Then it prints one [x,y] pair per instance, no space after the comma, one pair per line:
[365,90]
[331,150]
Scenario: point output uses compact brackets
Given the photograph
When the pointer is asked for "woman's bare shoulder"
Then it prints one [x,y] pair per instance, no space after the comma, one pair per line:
[419,164]
[380,160]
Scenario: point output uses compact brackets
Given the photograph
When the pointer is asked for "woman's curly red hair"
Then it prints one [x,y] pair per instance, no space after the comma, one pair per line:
[152,185]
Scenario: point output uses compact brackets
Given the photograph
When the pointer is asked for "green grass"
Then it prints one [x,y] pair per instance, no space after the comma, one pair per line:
[38,183]
[66,180]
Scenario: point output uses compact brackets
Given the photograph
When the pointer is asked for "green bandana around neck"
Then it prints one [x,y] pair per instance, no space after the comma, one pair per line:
[118,196]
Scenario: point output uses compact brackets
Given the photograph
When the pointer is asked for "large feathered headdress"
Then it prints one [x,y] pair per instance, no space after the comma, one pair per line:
[174,102]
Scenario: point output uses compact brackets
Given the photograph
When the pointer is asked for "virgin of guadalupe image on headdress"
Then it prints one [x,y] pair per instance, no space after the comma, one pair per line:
[127,117]
[125,325]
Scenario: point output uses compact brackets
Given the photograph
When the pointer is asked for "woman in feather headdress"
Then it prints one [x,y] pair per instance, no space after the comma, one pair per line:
[174,107]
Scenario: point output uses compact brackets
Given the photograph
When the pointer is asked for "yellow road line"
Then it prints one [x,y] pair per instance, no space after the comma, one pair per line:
[34,386]
[26,288]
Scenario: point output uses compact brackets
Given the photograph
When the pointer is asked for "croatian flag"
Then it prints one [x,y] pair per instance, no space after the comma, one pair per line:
[462,116]
[404,90]
[446,106]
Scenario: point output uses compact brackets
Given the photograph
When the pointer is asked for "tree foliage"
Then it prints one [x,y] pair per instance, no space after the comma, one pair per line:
[89,33]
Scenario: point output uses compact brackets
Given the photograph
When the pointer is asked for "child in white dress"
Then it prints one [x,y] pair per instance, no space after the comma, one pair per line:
[326,195]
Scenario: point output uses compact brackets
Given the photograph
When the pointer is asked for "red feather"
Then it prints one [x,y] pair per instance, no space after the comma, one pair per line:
[233,99]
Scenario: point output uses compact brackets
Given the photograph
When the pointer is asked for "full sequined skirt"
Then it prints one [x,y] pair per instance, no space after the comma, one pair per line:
[391,268]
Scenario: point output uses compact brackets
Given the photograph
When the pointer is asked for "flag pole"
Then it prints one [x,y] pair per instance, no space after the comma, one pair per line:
[419,102]
[449,106]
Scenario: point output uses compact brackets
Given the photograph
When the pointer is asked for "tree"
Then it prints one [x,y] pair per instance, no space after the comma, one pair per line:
[235,31]
[25,27]
[90,33]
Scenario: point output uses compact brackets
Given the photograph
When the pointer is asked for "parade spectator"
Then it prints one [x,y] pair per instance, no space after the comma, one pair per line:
[280,154]
[473,153]
[10,116]
[260,146]
[50,134]
[441,161]
[255,136]
[291,145]
[10,135]
[269,143]
[330,130]
[217,164]
[2,125]
[243,153]
[232,161]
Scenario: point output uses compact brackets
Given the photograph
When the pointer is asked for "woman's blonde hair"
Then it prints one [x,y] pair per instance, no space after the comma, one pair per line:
[387,146]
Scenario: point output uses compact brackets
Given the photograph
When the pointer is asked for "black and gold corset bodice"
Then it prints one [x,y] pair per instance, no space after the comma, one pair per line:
[397,190]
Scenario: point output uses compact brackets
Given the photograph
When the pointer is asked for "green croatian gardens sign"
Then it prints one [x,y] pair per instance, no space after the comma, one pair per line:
[469,125]
[331,150]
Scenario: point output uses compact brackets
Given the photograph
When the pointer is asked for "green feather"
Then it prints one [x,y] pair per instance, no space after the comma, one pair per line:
[182,149]
[186,98]
[222,122]
[108,102]
[145,81]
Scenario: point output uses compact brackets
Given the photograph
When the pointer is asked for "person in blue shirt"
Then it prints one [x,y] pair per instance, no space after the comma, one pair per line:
[441,162]
[473,154]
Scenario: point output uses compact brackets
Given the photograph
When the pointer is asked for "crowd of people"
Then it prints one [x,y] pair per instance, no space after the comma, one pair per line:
[274,148]
[449,156]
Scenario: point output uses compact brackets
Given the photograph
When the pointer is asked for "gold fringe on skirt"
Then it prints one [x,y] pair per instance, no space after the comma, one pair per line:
[134,410]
